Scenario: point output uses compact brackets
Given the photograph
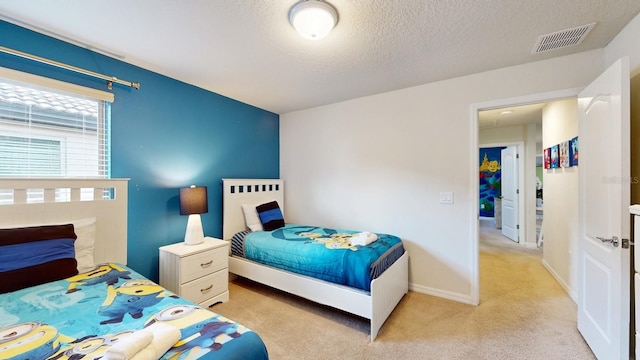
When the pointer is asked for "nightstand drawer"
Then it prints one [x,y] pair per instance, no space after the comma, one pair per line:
[203,263]
[204,288]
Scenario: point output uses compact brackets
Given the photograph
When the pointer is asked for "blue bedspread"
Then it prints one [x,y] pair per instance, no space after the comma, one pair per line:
[80,317]
[322,253]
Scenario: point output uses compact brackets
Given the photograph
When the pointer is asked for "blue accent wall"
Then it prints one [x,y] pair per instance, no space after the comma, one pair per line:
[165,136]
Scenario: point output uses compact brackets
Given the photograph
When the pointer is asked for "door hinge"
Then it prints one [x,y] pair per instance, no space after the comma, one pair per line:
[518,227]
[517,191]
[517,156]
[626,243]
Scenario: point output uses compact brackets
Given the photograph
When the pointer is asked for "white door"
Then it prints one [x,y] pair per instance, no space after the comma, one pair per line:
[603,264]
[509,189]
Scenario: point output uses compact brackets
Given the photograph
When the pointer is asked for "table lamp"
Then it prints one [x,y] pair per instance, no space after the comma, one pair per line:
[193,202]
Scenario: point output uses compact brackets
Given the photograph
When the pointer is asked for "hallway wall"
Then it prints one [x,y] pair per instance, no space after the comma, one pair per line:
[560,123]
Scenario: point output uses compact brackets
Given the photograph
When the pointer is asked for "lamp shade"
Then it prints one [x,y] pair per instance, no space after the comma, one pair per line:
[193,200]
[313,19]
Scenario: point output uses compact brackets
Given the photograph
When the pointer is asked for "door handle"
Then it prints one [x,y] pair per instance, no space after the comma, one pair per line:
[614,240]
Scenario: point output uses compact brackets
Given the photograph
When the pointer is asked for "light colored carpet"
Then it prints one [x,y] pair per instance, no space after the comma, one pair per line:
[523,314]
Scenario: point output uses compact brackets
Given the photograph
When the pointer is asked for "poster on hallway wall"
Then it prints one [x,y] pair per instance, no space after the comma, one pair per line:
[564,154]
[490,177]
[555,156]
[547,158]
[573,152]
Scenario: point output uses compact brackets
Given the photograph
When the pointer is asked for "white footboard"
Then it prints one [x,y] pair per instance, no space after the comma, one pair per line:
[387,291]
[351,300]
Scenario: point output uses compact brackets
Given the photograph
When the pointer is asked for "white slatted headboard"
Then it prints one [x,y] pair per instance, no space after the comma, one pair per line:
[246,191]
[33,202]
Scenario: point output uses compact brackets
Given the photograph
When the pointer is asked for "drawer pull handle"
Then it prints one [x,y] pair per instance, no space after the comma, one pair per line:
[206,289]
[207,263]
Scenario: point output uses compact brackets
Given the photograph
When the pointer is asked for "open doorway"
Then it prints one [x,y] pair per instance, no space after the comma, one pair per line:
[517,131]
[532,149]
[501,176]
[559,117]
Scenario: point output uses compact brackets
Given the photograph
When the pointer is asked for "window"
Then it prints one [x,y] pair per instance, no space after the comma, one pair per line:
[52,129]
[19,155]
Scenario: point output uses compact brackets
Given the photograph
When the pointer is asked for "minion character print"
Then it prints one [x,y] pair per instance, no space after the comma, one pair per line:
[131,298]
[108,274]
[30,340]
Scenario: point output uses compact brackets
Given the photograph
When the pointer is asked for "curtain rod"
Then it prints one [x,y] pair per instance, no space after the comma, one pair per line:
[110,79]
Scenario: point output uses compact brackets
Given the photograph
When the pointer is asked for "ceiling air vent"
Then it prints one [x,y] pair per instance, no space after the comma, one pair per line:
[562,39]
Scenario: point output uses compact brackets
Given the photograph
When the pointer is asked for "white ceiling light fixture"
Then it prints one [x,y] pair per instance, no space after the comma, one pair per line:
[313,19]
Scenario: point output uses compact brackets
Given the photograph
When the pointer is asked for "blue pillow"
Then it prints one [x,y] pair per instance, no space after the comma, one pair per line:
[36,255]
[270,216]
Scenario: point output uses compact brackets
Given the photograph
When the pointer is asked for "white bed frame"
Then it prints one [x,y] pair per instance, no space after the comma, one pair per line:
[386,291]
[60,201]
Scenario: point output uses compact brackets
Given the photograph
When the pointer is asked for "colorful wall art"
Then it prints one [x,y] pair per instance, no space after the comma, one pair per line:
[555,160]
[561,155]
[490,176]
[564,154]
[547,158]
[573,152]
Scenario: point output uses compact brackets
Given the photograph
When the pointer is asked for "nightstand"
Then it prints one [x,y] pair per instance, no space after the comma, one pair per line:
[197,272]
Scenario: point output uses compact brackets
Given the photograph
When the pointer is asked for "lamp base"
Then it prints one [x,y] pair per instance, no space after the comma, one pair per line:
[194,234]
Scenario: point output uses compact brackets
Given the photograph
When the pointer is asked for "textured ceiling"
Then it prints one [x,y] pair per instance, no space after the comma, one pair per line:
[247,50]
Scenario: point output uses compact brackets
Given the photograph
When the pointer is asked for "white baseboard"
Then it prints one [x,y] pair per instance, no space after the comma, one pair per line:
[565,286]
[463,298]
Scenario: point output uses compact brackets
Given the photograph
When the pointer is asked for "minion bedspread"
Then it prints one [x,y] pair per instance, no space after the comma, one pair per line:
[81,316]
[322,253]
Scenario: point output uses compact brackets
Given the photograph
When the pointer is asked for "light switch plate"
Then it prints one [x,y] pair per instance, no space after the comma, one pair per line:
[446,197]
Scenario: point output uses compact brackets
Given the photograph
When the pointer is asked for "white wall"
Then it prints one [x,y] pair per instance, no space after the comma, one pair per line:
[529,163]
[502,134]
[560,193]
[378,163]
[626,44]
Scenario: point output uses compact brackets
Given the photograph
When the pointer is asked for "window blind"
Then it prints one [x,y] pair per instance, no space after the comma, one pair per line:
[48,132]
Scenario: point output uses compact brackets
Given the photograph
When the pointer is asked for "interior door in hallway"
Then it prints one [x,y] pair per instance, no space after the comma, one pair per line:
[603,262]
[509,192]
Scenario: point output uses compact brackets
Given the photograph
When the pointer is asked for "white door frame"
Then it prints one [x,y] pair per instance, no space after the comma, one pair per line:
[520,148]
[473,173]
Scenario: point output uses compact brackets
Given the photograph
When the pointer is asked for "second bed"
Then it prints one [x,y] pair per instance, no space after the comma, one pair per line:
[368,279]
